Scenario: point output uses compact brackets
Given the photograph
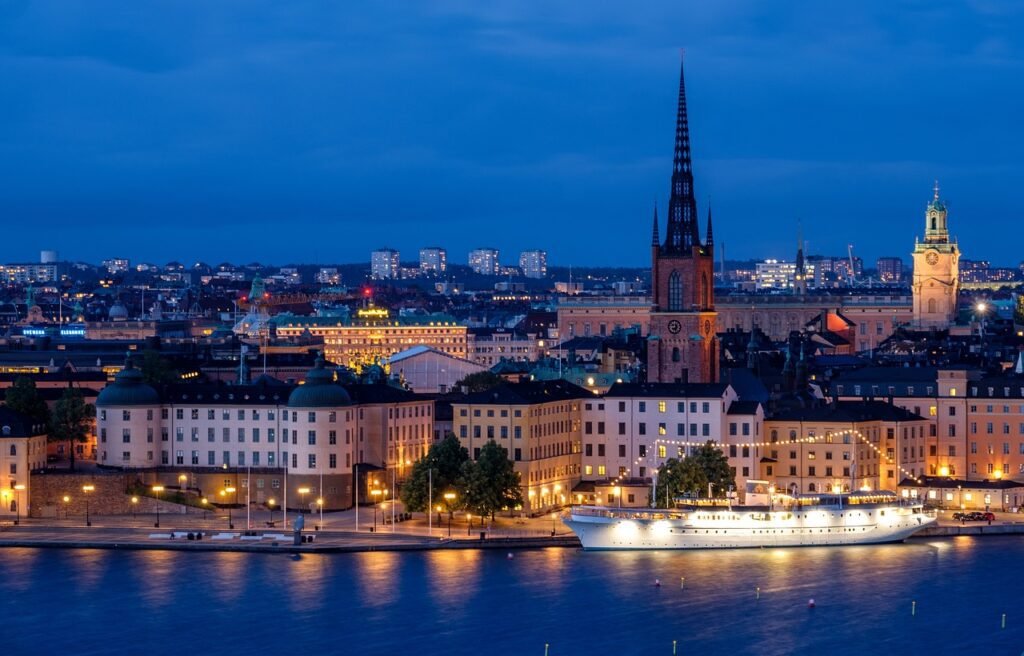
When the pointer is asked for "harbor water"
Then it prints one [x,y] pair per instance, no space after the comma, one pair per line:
[470,602]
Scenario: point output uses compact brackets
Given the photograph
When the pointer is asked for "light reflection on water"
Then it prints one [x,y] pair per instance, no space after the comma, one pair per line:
[471,602]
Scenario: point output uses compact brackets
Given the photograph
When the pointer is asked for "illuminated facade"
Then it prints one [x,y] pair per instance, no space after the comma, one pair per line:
[384,264]
[538,423]
[433,259]
[936,282]
[22,450]
[374,335]
[533,264]
[484,261]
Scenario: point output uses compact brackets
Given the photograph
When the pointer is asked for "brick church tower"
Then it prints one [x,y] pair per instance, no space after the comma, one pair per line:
[682,346]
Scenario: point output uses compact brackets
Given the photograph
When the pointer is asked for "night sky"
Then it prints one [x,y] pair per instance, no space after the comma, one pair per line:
[314,132]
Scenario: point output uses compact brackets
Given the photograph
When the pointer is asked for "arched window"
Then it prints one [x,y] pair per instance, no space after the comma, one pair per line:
[811,487]
[675,292]
[705,295]
[675,354]
[931,306]
[933,223]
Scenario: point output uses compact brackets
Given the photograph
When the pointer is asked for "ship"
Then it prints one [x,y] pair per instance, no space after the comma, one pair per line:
[785,521]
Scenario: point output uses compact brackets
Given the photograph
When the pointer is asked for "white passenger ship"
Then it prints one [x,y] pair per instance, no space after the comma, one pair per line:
[814,520]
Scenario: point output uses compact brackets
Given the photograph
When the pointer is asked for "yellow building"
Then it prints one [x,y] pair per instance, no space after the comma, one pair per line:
[844,446]
[374,335]
[22,450]
[936,282]
[538,423]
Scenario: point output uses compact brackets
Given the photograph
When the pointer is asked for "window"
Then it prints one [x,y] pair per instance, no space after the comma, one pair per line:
[622,450]
[311,437]
[332,461]
[642,406]
[126,435]
[255,435]
[312,461]
[675,292]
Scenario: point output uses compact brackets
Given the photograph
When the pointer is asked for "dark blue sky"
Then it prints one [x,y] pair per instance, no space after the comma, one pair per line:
[316,131]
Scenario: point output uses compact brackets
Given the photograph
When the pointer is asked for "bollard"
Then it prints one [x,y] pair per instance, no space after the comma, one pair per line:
[682,582]
[758,593]
[913,608]
[1004,622]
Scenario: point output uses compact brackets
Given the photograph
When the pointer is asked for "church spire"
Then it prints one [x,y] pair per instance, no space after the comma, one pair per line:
[681,234]
[709,236]
[654,233]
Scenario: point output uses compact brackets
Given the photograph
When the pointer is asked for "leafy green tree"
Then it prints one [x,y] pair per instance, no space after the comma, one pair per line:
[691,475]
[72,418]
[445,458]
[491,483]
[480,381]
[156,369]
[23,397]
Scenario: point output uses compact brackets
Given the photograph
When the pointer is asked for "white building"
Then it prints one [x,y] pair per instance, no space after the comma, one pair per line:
[27,273]
[22,449]
[433,259]
[426,370]
[116,265]
[534,264]
[328,276]
[776,274]
[484,261]
[384,264]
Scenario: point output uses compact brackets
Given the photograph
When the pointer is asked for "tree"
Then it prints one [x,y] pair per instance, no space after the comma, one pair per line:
[157,370]
[480,381]
[445,458]
[72,418]
[23,397]
[691,475]
[491,483]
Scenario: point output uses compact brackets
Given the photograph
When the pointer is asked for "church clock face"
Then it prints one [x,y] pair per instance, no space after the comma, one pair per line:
[931,258]
[674,327]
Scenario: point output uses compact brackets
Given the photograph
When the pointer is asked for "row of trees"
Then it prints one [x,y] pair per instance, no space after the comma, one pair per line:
[692,475]
[69,421]
[482,487]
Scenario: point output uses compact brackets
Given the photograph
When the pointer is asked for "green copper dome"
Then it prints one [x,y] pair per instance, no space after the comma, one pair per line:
[319,390]
[128,388]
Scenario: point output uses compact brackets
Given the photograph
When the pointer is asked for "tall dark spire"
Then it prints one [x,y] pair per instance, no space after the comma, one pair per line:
[654,233]
[682,234]
[709,236]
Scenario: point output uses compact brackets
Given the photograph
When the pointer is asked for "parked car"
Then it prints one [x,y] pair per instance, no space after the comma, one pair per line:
[960,516]
[988,517]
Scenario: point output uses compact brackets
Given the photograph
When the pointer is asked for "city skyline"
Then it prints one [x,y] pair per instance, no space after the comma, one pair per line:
[524,120]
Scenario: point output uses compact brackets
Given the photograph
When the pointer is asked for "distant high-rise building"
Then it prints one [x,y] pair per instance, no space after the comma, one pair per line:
[384,264]
[534,264]
[116,265]
[27,273]
[433,259]
[890,269]
[328,276]
[484,261]
[47,257]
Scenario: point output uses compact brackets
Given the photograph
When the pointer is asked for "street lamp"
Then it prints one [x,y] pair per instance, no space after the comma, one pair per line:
[182,478]
[375,493]
[157,489]
[87,489]
[618,494]
[270,505]
[67,502]
[135,502]
[320,504]
[469,522]
[18,489]
[224,493]
[303,491]
[449,498]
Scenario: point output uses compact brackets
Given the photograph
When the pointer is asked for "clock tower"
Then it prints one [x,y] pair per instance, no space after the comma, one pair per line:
[682,346]
[936,283]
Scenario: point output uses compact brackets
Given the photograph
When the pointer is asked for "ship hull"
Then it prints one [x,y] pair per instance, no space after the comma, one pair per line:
[831,527]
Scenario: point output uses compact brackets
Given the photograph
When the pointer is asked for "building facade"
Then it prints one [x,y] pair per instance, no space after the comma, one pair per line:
[384,264]
[433,260]
[22,451]
[484,261]
[533,264]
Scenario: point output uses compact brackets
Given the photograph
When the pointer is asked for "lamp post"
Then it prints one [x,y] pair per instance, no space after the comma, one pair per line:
[469,523]
[226,491]
[204,502]
[157,489]
[618,494]
[135,502]
[18,489]
[554,525]
[182,480]
[320,505]
[303,491]
[67,503]
[449,498]
[375,493]
[270,505]
[87,489]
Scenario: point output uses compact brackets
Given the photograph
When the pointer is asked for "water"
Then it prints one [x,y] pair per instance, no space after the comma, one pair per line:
[479,602]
